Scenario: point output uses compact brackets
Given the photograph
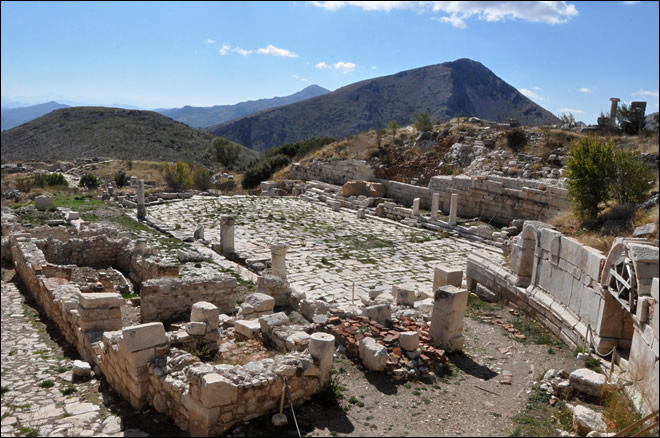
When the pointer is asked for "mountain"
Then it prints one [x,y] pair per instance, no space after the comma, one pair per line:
[459,88]
[17,116]
[7,103]
[70,133]
[201,117]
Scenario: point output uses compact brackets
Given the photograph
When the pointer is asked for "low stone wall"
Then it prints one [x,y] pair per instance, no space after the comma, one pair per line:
[500,199]
[167,299]
[276,287]
[568,287]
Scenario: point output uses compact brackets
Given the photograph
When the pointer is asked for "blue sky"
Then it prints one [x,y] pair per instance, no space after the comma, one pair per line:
[566,56]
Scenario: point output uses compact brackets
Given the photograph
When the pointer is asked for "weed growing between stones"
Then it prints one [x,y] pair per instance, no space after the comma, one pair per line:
[535,333]
[540,419]
[46,384]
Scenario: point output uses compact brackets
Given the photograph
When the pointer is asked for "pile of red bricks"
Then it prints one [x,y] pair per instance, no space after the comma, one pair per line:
[350,330]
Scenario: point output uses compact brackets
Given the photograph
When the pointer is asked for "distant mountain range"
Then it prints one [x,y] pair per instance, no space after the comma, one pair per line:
[201,117]
[459,88]
[75,132]
[17,116]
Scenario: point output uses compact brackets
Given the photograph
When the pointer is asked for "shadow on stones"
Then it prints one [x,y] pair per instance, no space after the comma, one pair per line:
[466,364]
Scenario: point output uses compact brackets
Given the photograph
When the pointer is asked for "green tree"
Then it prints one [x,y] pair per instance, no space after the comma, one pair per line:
[225,151]
[622,112]
[393,125]
[516,139]
[632,179]
[567,119]
[177,177]
[88,181]
[201,178]
[121,179]
[423,121]
[590,170]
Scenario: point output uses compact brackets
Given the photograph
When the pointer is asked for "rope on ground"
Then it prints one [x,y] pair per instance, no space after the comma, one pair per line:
[286,383]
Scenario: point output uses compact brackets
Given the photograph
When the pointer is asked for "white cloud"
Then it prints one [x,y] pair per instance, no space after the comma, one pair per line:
[530,94]
[571,110]
[322,65]
[224,50]
[209,41]
[630,3]
[271,50]
[346,67]
[584,90]
[299,78]
[646,93]
[373,67]
[537,88]
[455,13]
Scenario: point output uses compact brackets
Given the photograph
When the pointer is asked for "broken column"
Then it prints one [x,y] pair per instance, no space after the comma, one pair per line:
[446,329]
[227,234]
[446,275]
[615,102]
[415,207]
[322,347]
[435,206]
[278,254]
[452,209]
[141,208]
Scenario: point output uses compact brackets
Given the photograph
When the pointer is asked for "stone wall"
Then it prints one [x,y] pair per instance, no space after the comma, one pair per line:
[565,285]
[167,299]
[498,198]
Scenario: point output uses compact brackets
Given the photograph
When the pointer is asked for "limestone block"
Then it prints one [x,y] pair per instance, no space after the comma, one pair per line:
[81,368]
[204,311]
[260,302]
[378,312]
[586,420]
[99,300]
[373,355]
[144,336]
[297,341]
[375,190]
[43,202]
[247,327]
[99,324]
[409,341]
[403,296]
[590,382]
[196,328]
[446,329]
[445,275]
[354,188]
[216,390]
[269,322]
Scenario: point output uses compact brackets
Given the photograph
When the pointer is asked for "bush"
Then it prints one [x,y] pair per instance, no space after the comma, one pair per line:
[50,179]
[25,184]
[632,180]
[589,171]
[226,152]
[89,181]
[423,121]
[516,139]
[263,169]
[121,179]
[177,177]
[201,178]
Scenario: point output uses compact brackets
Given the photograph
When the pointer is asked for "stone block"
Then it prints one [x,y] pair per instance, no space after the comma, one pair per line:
[204,311]
[378,312]
[297,341]
[446,275]
[269,322]
[216,390]
[403,296]
[260,302]
[586,420]
[590,382]
[99,324]
[196,328]
[409,341]
[81,368]
[446,328]
[248,328]
[99,300]
[144,336]
[43,203]
[373,355]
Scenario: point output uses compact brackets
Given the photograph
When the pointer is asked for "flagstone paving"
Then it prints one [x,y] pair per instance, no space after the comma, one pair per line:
[329,251]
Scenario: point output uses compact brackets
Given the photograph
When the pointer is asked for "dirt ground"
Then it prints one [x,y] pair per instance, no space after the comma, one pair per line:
[468,400]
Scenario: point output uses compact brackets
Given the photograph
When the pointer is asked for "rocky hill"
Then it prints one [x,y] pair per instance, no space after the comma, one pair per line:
[70,133]
[201,117]
[12,117]
[459,88]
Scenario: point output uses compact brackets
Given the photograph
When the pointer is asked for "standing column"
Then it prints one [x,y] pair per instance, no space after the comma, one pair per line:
[446,330]
[435,206]
[415,207]
[227,234]
[452,209]
[322,347]
[615,104]
[141,208]
[278,254]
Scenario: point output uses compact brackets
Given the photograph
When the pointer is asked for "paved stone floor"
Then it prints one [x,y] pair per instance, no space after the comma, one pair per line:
[38,395]
[328,251]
